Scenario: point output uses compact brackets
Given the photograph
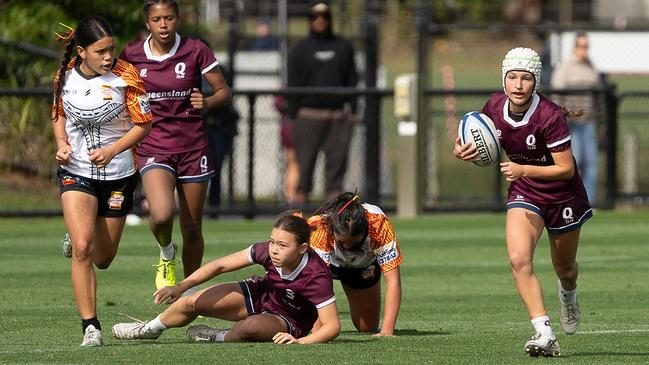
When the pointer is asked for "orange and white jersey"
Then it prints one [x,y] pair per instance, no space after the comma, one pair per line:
[380,245]
[99,110]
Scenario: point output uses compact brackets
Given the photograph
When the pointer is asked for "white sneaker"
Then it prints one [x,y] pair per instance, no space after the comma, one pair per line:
[134,331]
[203,333]
[92,337]
[66,245]
[541,345]
[569,319]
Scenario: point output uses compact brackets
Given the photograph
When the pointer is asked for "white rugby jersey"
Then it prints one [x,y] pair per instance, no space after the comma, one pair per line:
[380,245]
[99,110]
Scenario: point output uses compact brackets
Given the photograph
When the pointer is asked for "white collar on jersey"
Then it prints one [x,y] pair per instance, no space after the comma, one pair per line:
[526,118]
[151,56]
[297,270]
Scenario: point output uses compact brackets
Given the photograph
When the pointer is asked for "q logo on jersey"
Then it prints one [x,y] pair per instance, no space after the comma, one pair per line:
[180,70]
[531,142]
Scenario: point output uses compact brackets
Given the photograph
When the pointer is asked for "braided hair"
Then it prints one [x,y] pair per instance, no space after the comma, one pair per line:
[345,215]
[89,30]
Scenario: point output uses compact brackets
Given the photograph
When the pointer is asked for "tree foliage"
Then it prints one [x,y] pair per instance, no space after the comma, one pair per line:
[25,133]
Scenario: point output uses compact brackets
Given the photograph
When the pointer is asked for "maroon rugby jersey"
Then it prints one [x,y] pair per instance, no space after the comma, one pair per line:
[169,80]
[298,295]
[542,130]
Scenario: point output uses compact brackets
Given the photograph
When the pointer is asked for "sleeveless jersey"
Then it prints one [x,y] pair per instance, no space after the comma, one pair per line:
[169,80]
[531,141]
[99,110]
[380,245]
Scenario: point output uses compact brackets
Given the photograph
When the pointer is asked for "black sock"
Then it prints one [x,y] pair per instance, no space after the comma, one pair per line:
[87,322]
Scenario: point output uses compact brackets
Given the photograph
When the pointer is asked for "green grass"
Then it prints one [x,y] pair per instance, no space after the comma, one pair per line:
[459,305]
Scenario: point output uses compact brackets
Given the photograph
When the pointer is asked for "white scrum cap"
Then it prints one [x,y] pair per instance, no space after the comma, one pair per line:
[523,59]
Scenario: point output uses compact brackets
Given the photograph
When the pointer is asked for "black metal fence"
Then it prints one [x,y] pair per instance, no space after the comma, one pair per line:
[253,183]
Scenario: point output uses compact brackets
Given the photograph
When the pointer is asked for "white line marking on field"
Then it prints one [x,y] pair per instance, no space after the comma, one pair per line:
[611,331]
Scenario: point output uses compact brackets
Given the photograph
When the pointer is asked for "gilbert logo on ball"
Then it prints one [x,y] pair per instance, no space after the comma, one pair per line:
[479,129]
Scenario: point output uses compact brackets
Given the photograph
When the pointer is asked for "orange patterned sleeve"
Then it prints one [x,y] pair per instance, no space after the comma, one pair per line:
[384,242]
[320,238]
[137,101]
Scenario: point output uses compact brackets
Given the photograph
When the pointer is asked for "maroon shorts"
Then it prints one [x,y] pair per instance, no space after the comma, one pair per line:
[254,290]
[191,166]
[558,217]
[286,132]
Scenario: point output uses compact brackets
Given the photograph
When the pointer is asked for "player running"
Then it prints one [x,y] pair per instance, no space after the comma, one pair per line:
[100,112]
[358,243]
[546,190]
[280,307]
[175,155]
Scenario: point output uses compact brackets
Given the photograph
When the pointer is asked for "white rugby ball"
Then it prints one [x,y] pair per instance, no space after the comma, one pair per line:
[480,130]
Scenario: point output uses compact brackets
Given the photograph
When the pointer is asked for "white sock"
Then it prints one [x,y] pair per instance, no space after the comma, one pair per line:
[567,296]
[220,336]
[542,325]
[167,252]
[155,326]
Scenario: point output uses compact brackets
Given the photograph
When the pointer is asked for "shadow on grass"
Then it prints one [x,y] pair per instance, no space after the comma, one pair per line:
[607,354]
[405,332]
[413,332]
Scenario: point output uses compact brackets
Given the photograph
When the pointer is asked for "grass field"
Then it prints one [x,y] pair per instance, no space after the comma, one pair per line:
[459,303]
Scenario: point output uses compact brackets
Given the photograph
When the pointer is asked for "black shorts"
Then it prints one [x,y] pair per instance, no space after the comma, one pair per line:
[357,278]
[114,197]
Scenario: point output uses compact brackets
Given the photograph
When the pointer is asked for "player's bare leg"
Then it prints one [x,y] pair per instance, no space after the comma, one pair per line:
[191,200]
[365,307]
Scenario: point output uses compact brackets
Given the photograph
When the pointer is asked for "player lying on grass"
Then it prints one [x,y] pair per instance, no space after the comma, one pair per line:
[358,243]
[280,307]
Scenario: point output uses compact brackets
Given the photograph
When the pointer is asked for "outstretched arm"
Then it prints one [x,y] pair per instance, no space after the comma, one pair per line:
[232,262]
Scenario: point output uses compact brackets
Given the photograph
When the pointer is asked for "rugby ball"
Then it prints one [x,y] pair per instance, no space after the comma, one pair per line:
[480,130]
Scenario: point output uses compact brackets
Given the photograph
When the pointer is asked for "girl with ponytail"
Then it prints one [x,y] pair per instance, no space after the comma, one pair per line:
[356,239]
[100,112]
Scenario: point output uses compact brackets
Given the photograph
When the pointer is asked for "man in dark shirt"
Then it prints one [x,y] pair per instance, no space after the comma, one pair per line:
[322,60]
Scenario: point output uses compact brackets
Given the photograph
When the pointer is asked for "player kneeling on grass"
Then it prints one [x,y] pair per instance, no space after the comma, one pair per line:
[358,243]
[280,307]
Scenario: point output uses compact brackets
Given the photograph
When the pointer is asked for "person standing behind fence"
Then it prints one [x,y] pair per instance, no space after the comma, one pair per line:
[100,112]
[291,169]
[322,60]
[175,155]
[578,73]
[545,190]
[220,128]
